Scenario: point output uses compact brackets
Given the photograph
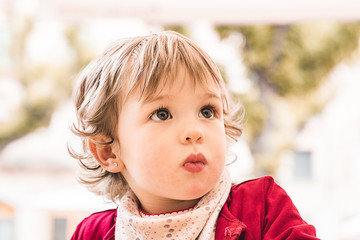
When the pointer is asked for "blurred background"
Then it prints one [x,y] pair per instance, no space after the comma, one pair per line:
[294,65]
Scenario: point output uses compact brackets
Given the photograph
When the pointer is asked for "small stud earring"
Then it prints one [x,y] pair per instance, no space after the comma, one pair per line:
[115,164]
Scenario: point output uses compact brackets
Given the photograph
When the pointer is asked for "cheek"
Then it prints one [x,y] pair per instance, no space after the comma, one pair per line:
[219,142]
[148,164]
[145,150]
[153,155]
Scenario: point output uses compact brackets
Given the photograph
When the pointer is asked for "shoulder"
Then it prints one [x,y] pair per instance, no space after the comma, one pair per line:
[250,197]
[266,208]
[261,195]
[96,226]
[263,190]
[254,187]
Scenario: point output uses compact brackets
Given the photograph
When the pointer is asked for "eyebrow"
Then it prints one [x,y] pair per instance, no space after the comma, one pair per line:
[167,96]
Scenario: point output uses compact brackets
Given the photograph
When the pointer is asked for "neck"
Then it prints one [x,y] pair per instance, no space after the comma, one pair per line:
[167,206]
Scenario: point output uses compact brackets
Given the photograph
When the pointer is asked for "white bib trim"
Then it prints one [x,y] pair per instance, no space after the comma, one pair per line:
[198,222]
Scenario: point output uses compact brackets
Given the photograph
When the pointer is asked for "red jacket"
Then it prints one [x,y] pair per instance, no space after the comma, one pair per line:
[255,209]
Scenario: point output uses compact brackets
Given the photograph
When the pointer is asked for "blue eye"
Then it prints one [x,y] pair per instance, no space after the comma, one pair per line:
[161,114]
[207,112]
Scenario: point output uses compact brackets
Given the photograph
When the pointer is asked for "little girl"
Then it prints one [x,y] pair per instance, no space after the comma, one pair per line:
[155,121]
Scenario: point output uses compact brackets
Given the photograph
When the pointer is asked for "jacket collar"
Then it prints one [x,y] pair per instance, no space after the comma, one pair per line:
[110,235]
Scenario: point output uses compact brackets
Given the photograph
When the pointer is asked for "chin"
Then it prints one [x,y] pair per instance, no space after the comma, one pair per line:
[196,193]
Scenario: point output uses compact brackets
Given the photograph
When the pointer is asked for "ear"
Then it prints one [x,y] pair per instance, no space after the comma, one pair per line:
[107,155]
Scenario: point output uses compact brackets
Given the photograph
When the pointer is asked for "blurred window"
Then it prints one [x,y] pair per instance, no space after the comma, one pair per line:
[6,222]
[302,169]
[6,229]
[60,228]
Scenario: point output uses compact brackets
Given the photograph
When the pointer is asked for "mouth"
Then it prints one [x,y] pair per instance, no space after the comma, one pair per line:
[195,163]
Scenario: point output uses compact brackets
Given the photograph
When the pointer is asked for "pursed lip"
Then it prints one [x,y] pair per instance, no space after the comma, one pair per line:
[195,158]
[195,163]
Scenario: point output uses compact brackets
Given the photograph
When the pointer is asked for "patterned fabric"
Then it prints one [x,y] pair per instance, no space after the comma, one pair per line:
[195,223]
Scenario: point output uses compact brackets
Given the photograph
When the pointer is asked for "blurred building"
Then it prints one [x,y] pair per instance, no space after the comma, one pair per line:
[321,174]
[40,197]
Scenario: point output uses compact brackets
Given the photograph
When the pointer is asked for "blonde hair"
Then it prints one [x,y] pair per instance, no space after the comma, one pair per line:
[142,64]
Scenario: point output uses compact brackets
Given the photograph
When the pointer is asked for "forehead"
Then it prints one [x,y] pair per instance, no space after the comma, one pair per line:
[174,82]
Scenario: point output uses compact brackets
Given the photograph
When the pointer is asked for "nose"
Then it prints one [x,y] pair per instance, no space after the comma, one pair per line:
[192,134]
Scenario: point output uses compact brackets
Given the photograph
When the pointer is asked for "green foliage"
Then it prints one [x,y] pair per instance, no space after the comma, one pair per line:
[295,59]
[45,84]
[253,120]
[255,116]
[288,64]
[177,28]
[81,53]
[29,117]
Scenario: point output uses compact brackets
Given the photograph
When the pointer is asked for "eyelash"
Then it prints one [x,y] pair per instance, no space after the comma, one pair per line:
[161,108]
[210,106]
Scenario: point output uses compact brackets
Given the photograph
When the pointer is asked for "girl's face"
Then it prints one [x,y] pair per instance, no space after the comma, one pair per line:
[173,146]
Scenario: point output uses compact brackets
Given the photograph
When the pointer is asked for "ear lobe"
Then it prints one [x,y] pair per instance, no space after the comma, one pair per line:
[105,154]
